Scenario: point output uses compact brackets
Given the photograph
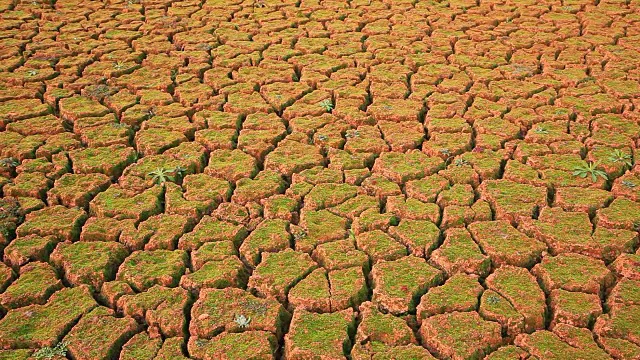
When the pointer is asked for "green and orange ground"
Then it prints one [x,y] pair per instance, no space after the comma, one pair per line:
[319,179]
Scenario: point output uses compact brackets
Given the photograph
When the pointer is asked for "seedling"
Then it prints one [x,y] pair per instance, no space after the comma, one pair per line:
[352,134]
[322,137]
[299,235]
[629,184]
[461,162]
[352,235]
[618,155]
[151,113]
[179,171]
[32,72]
[540,130]
[160,175]
[119,125]
[590,169]
[327,105]
[119,65]
[9,162]
[49,353]
[492,299]
[242,321]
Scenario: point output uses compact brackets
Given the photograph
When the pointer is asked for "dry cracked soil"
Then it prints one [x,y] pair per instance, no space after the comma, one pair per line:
[319,179]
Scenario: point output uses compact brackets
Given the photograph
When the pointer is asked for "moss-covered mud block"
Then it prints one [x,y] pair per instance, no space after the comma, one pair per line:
[210,229]
[319,335]
[76,190]
[399,284]
[574,308]
[321,227]
[120,204]
[229,271]
[31,326]
[36,282]
[510,200]
[460,254]
[108,160]
[621,214]
[29,248]
[380,246]
[143,269]
[291,157]
[384,328]
[340,254]
[265,184]
[91,263]
[419,236]
[235,346]
[522,291]
[505,245]
[328,195]
[573,272]
[100,335]
[565,341]
[163,309]
[140,347]
[216,310]
[403,167]
[348,288]
[460,335]
[572,232]
[231,165]
[65,224]
[280,271]
[459,293]
[311,293]
[496,307]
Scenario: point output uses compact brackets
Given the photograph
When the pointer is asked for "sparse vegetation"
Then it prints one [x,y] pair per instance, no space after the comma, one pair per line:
[327,105]
[50,352]
[590,169]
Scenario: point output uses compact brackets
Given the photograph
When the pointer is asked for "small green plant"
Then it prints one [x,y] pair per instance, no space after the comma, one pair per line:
[50,352]
[151,113]
[242,321]
[590,169]
[299,235]
[326,105]
[352,134]
[629,184]
[352,235]
[540,130]
[586,79]
[492,299]
[119,65]
[32,72]
[119,125]
[618,155]
[9,162]
[461,162]
[322,137]
[160,175]
[179,171]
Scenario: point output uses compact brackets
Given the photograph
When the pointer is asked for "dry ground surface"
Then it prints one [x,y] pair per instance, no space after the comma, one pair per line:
[319,179]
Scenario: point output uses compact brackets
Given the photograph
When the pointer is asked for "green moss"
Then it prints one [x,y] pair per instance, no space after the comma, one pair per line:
[143,269]
[321,334]
[31,326]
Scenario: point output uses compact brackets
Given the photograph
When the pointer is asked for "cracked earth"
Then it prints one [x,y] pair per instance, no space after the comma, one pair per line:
[278,179]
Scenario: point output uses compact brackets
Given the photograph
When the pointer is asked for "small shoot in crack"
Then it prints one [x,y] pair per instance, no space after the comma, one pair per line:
[628,184]
[9,162]
[160,176]
[619,156]
[242,321]
[540,130]
[32,72]
[590,169]
[461,162]
[326,105]
[50,352]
